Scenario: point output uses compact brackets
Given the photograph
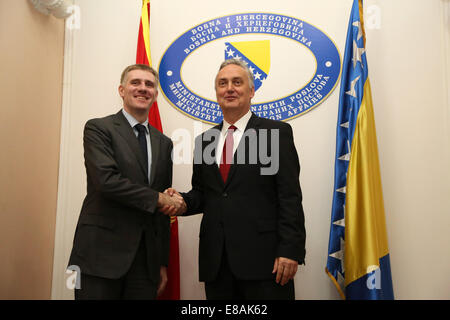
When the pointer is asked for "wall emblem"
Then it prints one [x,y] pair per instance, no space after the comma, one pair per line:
[251,37]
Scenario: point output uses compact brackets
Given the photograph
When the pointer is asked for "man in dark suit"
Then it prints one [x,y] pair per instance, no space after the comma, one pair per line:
[121,243]
[246,183]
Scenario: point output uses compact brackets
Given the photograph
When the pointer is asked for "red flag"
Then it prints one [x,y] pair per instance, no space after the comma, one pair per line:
[172,291]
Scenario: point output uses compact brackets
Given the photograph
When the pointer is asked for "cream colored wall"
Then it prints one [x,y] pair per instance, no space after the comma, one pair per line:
[410,94]
[31,62]
[407,63]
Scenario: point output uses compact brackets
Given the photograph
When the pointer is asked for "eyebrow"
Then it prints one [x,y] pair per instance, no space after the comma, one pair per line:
[234,78]
[140,80]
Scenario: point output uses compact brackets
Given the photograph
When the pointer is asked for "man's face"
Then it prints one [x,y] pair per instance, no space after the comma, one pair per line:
[139,91]
[233,90]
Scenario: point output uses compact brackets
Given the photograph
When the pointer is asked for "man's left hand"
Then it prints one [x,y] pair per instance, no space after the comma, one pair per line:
[285,269]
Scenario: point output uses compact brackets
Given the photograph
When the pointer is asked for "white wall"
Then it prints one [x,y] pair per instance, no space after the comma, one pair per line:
[410,83]
[406,57]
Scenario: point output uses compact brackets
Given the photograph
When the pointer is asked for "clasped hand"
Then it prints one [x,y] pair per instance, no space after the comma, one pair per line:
[171,203]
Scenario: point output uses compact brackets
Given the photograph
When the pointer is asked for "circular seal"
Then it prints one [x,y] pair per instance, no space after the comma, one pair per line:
[308,96]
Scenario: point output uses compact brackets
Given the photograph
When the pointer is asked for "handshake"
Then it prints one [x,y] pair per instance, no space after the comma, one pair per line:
[171,203]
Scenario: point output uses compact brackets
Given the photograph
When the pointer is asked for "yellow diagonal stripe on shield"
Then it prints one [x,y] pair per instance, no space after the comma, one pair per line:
[256,51]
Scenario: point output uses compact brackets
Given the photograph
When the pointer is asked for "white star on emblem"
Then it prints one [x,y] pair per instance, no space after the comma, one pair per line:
[262,81]
[230,53]
[252,69]
[357,53]
[352,91]
[258,75]
[346,125]
[358,25]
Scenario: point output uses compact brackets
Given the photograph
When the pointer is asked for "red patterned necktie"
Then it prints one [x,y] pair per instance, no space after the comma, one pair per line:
[227,154]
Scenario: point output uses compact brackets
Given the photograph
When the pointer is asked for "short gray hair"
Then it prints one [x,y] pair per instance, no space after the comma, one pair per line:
[241,64]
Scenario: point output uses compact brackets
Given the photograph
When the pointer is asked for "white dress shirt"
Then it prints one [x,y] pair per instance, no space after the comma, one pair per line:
[240,125]
[132,121]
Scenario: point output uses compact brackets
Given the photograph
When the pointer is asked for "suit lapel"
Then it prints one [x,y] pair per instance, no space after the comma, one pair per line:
[155,140]
[253,123]
[123,127]
[215,166]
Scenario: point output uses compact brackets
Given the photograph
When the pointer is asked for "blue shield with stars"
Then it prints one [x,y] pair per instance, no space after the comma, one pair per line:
[256,54]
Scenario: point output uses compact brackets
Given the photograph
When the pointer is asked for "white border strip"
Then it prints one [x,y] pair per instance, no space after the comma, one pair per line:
[59,258]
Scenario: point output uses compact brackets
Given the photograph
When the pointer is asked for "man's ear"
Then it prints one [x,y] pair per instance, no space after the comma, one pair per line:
[121,89]
[253,92]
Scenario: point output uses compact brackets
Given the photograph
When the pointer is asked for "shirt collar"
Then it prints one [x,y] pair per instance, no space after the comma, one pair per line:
[132,121]
[241,124]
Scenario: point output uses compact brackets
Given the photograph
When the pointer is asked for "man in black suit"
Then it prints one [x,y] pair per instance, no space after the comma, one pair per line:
[252,235]
[121,243]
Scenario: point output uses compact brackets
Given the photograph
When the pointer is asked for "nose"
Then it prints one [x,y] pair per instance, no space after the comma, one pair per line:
[142,87]
[230,87]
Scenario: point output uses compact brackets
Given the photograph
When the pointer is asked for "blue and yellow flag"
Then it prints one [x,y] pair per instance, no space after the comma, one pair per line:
[358,254]
[255,54]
